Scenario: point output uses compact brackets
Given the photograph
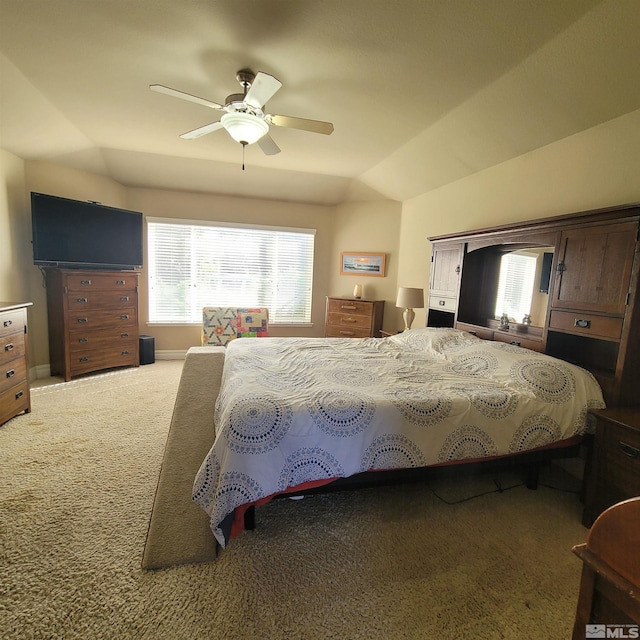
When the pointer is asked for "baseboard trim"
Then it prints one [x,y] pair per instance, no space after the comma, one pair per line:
[171,354]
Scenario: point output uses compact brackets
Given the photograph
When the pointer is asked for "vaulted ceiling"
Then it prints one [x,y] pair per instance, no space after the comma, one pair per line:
[421,92]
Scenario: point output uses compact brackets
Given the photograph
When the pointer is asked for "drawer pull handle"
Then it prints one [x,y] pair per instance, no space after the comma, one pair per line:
[82,300]
[120,282]
[473,333]
[124,316]
[8,323]
[628,450]
[349,320]
[86,283]
[516,343]
[84,359]
[124,298]
[582,324]
[124,353]
[347,333]
[83,340]
[124,335]
[83,320]
[11,373]
[8,347]
[441,303]
[350,307]
[19,395]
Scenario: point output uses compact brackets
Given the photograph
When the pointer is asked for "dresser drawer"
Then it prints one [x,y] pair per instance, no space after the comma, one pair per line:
[81,341]
[358,307]
[94,359]
[338,331]
[12,345]
[12,373]
[93,281]
[586,324]
[14,400]
[349,321]
[77,301]
[12,321]
[481,332]
[442,303]
[99,318]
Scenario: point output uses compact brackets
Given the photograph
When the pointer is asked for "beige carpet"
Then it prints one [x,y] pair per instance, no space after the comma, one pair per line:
[77,483]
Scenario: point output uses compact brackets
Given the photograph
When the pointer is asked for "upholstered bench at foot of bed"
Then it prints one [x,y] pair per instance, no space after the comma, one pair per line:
[179,530]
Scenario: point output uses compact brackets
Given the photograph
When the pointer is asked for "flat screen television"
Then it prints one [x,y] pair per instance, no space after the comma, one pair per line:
[72,233]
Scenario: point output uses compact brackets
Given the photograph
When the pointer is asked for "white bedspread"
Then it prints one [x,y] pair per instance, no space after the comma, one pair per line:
[293,410]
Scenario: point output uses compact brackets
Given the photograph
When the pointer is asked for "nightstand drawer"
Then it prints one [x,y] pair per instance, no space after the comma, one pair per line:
[621,459]
[347,320]
[12,321]
[358,307]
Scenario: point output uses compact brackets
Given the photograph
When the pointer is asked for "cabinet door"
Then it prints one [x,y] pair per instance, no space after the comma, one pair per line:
[595,268]
[446,265]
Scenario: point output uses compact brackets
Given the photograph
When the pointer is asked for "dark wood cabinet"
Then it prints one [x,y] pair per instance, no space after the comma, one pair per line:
[14,370]
[613,468]
[93,320]
[351,318]
[594,268]
[591,315]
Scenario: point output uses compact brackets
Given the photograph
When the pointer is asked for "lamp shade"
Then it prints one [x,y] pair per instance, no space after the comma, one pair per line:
[410,298]
[244,128]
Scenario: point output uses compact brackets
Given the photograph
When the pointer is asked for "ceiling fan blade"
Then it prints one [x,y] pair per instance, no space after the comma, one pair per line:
[202,131]
[185,96]
[315,126]
[267,144]
[262,88]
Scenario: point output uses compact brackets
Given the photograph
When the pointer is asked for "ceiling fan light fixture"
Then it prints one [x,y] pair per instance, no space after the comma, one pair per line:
[244,128]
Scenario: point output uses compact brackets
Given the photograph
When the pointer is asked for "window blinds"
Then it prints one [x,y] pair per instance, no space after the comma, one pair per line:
[193,265]
[515,288]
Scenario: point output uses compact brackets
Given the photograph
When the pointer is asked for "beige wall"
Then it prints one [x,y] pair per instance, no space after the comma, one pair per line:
[597,168]
[368,227]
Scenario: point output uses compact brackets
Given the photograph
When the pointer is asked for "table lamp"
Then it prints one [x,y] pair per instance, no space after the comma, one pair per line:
[409,298]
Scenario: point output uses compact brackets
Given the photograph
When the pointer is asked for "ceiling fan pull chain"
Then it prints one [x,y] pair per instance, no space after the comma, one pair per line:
[244,146]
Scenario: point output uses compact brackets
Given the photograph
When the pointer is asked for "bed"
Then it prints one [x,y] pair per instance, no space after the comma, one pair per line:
[297,413]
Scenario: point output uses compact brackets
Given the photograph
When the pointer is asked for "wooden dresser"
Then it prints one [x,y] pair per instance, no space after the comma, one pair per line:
[93,320]
[14,372]
[351,318]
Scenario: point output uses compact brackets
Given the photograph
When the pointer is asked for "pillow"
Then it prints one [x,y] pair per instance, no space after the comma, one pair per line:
[434,339]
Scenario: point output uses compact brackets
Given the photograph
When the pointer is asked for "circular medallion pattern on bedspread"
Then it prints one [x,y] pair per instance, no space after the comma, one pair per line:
[341,413]
[535,431]
[465,443]
[234,488]
[350,377]
[257,423]
[549,381]
[309,464]
[206,477]
[476,363]
[392,451]
[420,407]
[491,401]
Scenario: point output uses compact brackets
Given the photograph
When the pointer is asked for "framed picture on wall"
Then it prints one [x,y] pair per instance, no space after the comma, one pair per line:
[362,264]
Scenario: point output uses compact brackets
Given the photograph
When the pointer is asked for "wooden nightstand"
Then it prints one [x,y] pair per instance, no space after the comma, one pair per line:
[614,461]
[351,318]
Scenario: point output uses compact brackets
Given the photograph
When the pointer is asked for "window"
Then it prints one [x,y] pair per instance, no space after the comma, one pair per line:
[199,264]
[515,288]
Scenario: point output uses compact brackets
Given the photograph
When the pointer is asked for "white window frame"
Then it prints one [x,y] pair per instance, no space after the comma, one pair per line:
[271,279]
[516,283]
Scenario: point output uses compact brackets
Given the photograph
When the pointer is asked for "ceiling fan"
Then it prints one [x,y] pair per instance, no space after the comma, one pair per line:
[244,117]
